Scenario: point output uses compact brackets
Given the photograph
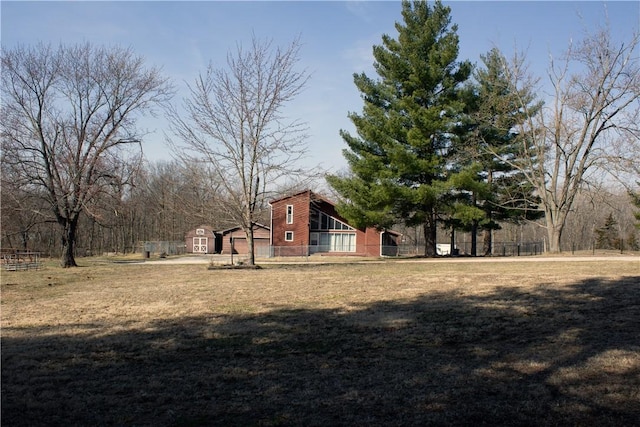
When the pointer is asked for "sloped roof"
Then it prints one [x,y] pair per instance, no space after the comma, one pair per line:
[289,196]
[318,198]
[313,196]
[207,228]
[237,227]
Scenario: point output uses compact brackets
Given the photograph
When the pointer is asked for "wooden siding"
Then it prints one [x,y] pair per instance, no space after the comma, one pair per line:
[209,233]
[240,245]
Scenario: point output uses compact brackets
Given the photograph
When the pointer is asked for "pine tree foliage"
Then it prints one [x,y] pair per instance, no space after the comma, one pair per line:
[635,199]
[490,146]
[608,236]
[399,160]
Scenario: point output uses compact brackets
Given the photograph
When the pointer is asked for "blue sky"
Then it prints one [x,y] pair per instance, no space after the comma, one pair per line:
[337,38]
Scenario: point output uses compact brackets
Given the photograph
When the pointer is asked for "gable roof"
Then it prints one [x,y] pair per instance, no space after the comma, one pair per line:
[208,230]
[313,196]
[237,227]
[289,196]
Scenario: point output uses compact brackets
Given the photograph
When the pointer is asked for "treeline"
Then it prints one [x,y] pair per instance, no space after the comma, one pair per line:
[167,199]
[71,148]
[602,219]
[442,142]
[445,149]
[162,201]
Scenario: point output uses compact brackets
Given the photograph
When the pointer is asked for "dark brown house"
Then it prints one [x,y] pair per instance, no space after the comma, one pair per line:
[306,223]
[235,237]
[201,240]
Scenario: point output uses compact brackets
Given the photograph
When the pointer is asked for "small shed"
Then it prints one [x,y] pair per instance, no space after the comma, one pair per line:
[236,238]
[201,240]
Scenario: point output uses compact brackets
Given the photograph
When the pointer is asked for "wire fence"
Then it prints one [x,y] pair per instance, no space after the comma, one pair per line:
[465,249]
[309,250]
[20,261]
[162,247]
[403,250]
[517,249]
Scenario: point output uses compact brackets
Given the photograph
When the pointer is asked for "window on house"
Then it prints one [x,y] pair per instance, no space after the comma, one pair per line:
[289,214]
[314,239]
[288,236]
[322,221]
[337,242]
[314,219]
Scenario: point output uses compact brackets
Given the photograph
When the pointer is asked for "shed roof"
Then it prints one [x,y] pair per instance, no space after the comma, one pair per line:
[313,196]
[237,227]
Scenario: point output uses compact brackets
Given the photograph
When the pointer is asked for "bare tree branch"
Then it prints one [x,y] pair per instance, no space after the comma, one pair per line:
[589,125]
[233,119]
[72,113]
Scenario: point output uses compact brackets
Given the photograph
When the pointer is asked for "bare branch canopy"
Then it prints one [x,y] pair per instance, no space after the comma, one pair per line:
[589,126]
[69,122]
[234,120]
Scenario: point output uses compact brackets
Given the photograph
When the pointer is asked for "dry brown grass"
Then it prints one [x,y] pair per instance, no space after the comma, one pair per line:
[417,343]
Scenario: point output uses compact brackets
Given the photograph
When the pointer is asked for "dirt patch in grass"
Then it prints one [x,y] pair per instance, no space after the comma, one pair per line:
[353,344]
[233,267]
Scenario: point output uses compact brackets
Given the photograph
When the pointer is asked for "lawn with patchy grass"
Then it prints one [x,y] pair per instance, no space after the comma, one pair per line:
[412,343]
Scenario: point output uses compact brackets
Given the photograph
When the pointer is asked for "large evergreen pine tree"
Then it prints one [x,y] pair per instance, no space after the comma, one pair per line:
[635,199]
[489,145]
[399,161]
[608,236]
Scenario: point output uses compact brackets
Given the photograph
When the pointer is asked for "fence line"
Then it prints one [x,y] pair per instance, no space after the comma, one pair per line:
[517,249]
[19,261]
[163,247]
[403,250]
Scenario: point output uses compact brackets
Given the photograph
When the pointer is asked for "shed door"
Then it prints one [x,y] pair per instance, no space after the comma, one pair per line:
[200,245]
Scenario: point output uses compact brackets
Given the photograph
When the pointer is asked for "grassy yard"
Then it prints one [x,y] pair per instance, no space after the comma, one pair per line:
[412,343]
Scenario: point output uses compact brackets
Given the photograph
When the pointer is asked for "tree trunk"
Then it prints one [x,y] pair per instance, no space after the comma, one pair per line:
[554,232]
[430,236]
[91,236]
[25,240]
[488,242]
[69,228]
[555,220]
[474,238]
[488,232]
[250,246]
[9,241]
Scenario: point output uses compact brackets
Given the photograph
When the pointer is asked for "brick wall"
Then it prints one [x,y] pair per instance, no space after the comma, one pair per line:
[367,240]
[300,225]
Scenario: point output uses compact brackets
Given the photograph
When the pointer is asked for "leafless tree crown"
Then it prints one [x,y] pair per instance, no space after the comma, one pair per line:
[233,119]
[589,125]
[70,121]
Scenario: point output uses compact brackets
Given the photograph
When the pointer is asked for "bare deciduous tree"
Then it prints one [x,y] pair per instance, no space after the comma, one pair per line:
[70,122]
[233,119]
[589,124]
[21,210]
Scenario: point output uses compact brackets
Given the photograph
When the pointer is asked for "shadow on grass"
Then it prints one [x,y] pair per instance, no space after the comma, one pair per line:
[536,356]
